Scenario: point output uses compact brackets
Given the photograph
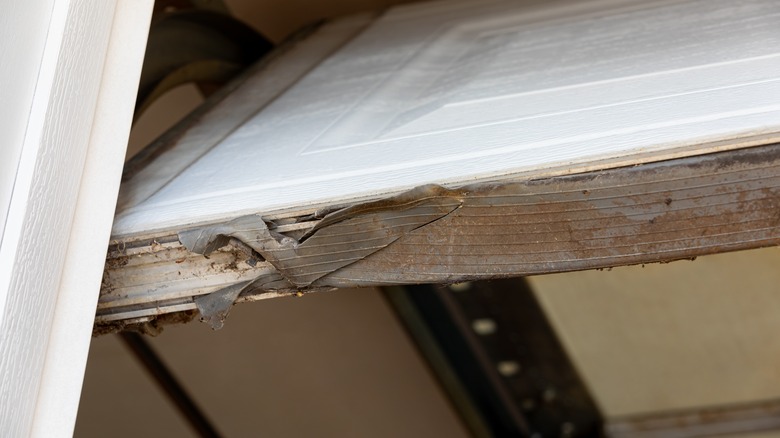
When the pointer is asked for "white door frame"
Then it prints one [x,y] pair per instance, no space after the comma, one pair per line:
[59,205]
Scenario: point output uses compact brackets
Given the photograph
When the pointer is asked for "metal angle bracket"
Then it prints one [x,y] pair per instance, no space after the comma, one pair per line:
[496,339]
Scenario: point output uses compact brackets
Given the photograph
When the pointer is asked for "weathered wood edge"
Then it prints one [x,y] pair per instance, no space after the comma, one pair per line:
[658,212]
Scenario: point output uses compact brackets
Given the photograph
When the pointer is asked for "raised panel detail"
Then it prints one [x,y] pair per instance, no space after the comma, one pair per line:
[454,92]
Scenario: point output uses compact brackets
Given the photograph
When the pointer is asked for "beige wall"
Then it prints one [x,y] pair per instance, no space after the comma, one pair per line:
[334,364]
[673,336]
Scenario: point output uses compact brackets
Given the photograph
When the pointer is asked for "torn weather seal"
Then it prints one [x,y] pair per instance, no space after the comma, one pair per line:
[338,240]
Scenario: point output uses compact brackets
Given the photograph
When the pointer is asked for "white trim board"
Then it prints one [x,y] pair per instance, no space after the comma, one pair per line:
[457,92]
[22,61]
[61,206]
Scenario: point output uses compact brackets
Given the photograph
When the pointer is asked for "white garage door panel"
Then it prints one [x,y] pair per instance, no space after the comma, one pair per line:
[452,92]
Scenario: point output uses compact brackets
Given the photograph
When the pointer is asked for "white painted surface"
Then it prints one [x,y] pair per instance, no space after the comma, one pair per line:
[61,206]
[230,113]
[452,92]
[71,330]
[23,28]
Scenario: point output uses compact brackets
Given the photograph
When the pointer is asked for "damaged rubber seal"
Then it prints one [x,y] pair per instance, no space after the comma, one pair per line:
[214,307]
[338,240]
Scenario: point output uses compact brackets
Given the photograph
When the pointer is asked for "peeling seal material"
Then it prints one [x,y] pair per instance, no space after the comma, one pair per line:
[338,240]
[214,307]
